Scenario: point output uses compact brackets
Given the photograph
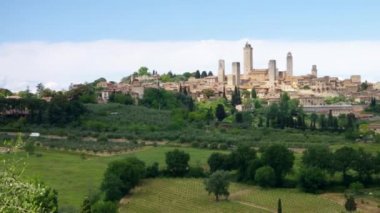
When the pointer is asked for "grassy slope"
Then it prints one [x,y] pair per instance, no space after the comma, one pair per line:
[188,195]
[73,176]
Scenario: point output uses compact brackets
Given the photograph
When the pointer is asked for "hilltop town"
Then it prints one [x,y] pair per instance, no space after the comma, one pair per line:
[312,91]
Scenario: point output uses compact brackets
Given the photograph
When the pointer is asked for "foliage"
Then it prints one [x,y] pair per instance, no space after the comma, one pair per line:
[280,159]
[241,157]
[350,204]
[177,163]
[317,156]
[218,184]
[104,206]
[218,161]
[18,195]
[121,98]
[279,206]
[152,171]
[121,176]
[312,179]
[220,114]
[86,206]
[265,176]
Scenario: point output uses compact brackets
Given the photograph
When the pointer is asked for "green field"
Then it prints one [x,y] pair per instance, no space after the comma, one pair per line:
[188,195]
[74,176]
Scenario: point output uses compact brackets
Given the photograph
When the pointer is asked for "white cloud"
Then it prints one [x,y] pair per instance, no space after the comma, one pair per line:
[59,64]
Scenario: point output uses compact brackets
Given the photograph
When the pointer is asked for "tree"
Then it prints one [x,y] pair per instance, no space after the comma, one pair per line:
[177,163]
[350,204]
[317,156]
[40,89]
[220,114]
[121,176]
[253,93]
[265,176]
[280,159]
[197,74]
[204,74]
[312,179]
[218,184]
[210,73]
[86,206]
[143,71]
[242,157]
[313,121]
[279,206]
[152,171]
[239,117]
[18,195]
[344,159]
[365,165]
[217,161]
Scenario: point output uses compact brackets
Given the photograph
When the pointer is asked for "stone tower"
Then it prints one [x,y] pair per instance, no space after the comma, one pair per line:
[221,71]
[289,64]
[248,59]
[272,71]
[314,71]
[236,73]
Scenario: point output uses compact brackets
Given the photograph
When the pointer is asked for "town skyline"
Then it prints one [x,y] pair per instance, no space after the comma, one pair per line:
[67,42]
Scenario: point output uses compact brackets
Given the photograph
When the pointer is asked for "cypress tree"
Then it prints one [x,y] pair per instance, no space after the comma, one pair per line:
[279,207]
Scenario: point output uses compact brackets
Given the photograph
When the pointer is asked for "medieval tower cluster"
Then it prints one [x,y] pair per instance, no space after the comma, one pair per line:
[252,75]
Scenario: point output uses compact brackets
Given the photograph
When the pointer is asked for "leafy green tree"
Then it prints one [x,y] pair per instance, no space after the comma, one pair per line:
[318,156]
[313,121]
[177,163]
[253,93]
[239,117]
[265,176]
[242,158]
[121,176]
[365,165]
[218,184]
[86,206]
[143,71]
[280,159]
[153,170]
[344,159]
[350,204]
[312,179]
[121,98]
[220,114]
[217,161]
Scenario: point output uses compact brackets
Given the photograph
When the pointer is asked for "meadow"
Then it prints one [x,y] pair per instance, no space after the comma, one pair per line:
[188,195]
[73,175]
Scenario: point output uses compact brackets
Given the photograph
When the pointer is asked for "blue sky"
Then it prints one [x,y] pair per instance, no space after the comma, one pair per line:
[154,20]
[58,42]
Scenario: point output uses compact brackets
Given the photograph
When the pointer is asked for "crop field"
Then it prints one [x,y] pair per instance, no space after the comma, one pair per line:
[73,175]
[188,195]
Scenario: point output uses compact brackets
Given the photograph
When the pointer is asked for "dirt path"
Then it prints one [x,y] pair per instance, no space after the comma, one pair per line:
[364,204]
[238,194]
[255,206]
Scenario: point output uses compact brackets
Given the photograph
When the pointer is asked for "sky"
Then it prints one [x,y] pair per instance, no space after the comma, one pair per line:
[73,41]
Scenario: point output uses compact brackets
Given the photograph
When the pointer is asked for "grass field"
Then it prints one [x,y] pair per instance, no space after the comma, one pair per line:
[74,176]
[188,195]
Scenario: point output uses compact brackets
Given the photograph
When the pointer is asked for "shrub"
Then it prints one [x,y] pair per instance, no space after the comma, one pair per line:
[265,176]
[196,172]
[121,176]
[104,206]
[152,171]
[177,163]
[356,187]
[312,179]
[102,138]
